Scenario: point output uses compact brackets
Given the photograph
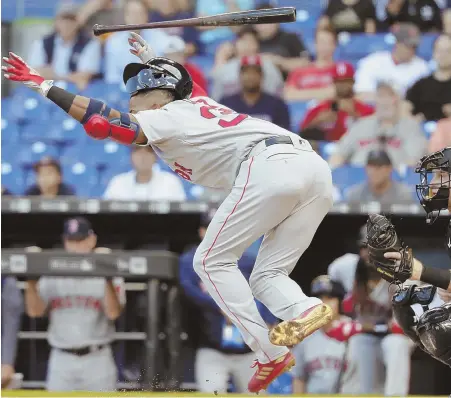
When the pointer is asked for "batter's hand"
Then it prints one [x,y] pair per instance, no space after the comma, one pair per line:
[140,48]
[19,71]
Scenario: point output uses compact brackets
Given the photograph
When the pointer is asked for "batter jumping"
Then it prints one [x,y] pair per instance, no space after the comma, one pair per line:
[279,187]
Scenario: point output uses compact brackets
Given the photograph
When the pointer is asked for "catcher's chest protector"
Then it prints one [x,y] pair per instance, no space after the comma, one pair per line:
[448,240]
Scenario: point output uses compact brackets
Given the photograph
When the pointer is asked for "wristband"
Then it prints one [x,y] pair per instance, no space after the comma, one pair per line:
[436,277]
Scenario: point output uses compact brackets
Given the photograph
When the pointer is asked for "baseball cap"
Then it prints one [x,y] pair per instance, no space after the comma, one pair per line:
[323,285]
[67,9]
[47,161]
[378,158]
[77,228]
[174,44]
[205,218]
[251,61]
[342,71]
[407,33]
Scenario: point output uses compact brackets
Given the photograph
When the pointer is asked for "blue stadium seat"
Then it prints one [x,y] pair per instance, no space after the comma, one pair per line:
[27,156]
[10,132]
[345,176]
[425,48]
[204,62]
[356,46]
[211,48]
[12,173]
[82,177]
[326,149]
[112,94]
[26,107]
[411,178]
[297,112]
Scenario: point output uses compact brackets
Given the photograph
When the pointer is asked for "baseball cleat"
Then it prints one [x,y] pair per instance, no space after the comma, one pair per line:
[290,333]
[267,372]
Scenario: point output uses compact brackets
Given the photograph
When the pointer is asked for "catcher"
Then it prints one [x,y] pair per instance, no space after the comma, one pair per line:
[423,312]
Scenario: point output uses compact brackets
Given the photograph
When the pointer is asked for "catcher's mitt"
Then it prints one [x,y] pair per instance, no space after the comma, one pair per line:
[382,238]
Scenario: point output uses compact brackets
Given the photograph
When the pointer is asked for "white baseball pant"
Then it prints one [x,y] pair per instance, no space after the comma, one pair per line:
[281,191]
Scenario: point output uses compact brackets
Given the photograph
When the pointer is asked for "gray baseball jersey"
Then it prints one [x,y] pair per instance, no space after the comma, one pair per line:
[76,313]
[320,360]
[203,141]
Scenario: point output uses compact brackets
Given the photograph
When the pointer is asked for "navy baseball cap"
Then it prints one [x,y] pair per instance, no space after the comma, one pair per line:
[378,158]
[77,228]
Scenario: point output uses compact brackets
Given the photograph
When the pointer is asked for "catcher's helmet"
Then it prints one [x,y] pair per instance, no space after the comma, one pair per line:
[324,286]
[158,73]
[435,181]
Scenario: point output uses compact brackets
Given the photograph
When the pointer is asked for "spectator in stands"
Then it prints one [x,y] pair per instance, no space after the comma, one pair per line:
[252,100]
[330,119]
[81,313]
[441,137]
[49,180]
[116,56]
[221,350]
[430,97]
[385,351]
[146,181]
[401,65]
[225,74]
[176,50]
[286,50]
[12,309]
[322,363]
[212,7]
[315,81]
[169,10]
[352,16]
[103,12]
[379,186]
[67,54]
[402,137]
[425,14]
[446,18]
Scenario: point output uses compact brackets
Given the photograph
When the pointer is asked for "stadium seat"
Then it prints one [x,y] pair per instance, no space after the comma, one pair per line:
[359,45]
[112,94]
[82,177]
[10,132]
[211,47]
[28,155]
[297,112]
[426,45]
[411,178]
[204,62]
[12,173]
[345,176]
[27,107]
[326,149]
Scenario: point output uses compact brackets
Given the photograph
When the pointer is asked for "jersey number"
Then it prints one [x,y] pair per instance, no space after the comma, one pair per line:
[205,111]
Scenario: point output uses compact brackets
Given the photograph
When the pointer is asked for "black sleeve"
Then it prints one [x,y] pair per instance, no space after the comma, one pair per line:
[32,191]
[331,9]
[402,16]
[437,22]
[296,47]
[282,115]
[412,96]
[370,11]
[66,190]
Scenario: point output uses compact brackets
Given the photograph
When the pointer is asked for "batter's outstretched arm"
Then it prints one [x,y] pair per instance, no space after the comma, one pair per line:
[99,120]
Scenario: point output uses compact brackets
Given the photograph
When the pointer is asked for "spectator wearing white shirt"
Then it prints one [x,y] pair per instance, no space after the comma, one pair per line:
[116,58]
[401,65]
[67,54]
[146,181]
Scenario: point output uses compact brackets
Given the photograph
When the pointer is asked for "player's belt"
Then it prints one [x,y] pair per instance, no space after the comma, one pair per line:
[262,145]
[83,350]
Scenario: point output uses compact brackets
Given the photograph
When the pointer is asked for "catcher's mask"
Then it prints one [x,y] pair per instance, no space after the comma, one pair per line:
[324,286]
[435,182]
[158,73]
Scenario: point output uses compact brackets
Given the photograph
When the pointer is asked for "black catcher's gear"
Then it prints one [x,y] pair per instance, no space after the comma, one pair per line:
[382,238]
[434,331]
[434,188]
[158,73]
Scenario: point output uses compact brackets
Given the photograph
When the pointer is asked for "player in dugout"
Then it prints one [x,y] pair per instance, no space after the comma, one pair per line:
[257,162]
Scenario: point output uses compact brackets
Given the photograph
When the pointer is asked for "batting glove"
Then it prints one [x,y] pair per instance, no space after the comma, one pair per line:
[19,71]
[140,48]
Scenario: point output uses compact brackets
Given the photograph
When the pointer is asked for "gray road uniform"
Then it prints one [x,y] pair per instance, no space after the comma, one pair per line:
[278,187]
[79,333]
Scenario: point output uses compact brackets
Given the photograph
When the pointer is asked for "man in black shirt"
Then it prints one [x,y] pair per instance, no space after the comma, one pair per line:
[285,50]
[352,16]
[49,180]
[425,14]
[431,95]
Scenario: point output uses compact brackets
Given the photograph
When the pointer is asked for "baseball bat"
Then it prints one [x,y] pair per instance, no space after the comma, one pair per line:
[266,16]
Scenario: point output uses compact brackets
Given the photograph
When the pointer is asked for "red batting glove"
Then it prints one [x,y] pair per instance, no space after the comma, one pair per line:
[19,71]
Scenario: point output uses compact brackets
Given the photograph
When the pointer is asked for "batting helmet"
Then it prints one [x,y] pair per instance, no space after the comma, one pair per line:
[158,73]
[324,286]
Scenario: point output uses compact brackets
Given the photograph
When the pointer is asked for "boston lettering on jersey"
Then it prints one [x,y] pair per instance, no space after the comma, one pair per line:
[75,302]
[325,363]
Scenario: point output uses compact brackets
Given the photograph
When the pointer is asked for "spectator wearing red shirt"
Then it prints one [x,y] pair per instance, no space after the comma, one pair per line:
[330,119]
[175,50]
[315,81]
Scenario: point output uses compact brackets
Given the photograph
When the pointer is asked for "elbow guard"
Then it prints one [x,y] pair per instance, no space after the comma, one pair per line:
[122,129]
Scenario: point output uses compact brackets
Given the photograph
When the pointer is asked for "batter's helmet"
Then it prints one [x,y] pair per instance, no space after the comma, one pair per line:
[158,73]
[324,286]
